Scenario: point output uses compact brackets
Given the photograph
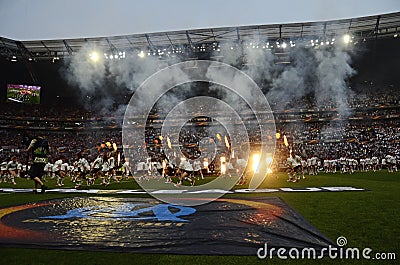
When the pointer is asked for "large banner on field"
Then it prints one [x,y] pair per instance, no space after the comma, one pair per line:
[227,226]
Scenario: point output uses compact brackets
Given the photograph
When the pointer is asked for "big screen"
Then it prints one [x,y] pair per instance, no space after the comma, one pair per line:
[23,93]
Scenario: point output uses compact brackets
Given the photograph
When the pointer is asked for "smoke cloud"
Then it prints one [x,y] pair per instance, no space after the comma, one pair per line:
[102,83]
[80,70]
[315,76]
[333,71]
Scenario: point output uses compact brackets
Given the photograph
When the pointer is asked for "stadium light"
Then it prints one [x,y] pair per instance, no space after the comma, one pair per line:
[141,54]
[346,38]
[94,56]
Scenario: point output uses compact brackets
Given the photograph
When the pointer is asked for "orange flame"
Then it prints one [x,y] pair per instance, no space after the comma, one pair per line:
[169,143]
[227,142]
[256,162]
[285,141]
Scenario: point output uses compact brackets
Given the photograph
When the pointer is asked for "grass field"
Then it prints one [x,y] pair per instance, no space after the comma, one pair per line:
[367,219]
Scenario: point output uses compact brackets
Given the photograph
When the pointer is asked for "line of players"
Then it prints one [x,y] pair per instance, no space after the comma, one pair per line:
[10,170]
[298,167]
[183,169]
[167,170]
[104,167]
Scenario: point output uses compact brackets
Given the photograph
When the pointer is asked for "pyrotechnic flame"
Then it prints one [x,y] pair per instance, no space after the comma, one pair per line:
[285,141]
[219,137]
[278,135]
[119,159]
[227,142]
[108,144]
[223,165]
[205,164]
[115,147]
[160,137]
[169,143]
[256,162]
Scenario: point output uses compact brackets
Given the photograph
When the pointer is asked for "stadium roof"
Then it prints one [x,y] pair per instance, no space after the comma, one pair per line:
[362,28]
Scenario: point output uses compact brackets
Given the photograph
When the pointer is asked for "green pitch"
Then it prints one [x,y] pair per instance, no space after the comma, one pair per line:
[367,219]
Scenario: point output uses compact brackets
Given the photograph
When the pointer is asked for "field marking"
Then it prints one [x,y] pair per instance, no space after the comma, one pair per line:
[210,191]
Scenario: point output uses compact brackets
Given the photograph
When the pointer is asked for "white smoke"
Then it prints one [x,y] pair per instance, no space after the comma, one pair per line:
[333,71]
[292,82]
[81,71]
[99,81]
[315,78]
[317,74]
[130,72]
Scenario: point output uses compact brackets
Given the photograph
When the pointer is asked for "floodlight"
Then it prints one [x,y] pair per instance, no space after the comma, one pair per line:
[94,56]
[346,38]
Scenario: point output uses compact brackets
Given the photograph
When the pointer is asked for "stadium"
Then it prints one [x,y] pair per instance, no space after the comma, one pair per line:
[205,145]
